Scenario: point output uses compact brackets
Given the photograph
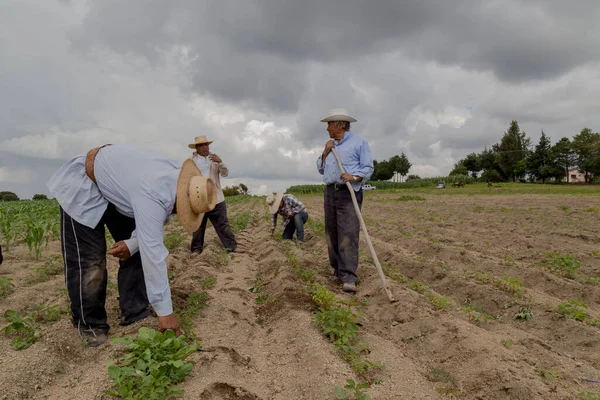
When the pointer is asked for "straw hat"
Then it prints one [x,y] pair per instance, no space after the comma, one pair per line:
[199,140]
[196,194]
[273,201]
[338,114]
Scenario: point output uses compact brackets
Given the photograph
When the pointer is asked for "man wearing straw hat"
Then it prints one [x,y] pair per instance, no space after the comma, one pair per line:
[133,191]
[213,167]
[293,213]
[342,225]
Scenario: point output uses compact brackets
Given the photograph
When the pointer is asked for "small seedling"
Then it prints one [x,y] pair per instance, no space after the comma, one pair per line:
[173,240]
[6,287]
[356,389]
[573,309]
[22,329]
[524,314]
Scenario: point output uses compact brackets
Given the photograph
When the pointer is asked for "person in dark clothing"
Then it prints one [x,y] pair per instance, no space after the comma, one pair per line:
[342,226]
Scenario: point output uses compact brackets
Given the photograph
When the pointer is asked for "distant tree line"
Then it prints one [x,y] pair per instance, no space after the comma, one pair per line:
[514,158]
[10,196]
[386,169]
[235,190]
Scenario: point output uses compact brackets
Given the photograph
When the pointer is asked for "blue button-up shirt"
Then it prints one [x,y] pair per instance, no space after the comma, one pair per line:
[355,155]
[142,185]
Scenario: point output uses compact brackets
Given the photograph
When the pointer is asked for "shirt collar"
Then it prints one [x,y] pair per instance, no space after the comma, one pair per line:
[347,136]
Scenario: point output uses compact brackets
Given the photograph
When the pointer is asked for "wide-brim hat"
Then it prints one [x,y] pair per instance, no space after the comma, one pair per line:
[338,114]
[199,140]
[196,195]
[273,201]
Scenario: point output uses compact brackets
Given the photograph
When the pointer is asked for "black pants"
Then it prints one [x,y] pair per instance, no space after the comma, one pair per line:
[342,228]
[218,218]
[84,252]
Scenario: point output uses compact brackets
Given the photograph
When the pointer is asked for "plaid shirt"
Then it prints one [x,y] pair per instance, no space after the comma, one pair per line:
[290,203]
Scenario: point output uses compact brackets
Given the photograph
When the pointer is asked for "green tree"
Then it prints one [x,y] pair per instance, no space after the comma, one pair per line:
[8,196]
[586,146]
[562,156]
[383,171]
[39,197]
[538,159]
[473,163]
[401,164]
[243,188]
[459,169]
[513,148]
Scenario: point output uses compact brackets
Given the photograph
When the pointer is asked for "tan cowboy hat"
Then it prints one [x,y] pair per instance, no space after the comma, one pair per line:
[196,194]
[199,140]
[273,201]
[338,114]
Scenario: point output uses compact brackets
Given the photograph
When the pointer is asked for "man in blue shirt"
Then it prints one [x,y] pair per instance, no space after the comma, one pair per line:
[133,191]
[342,226]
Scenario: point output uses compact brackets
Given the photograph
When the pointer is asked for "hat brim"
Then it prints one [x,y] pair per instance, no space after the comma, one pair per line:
[193,145]
[273,208]
[189,219]
[345,118]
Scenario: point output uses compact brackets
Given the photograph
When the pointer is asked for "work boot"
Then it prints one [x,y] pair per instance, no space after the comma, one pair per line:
[91,337]
[349,287]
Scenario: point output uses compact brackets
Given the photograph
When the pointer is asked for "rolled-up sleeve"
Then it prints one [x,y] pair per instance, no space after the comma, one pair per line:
[320,165]
[223,170]
[366,162]
[132,243]
[149,219]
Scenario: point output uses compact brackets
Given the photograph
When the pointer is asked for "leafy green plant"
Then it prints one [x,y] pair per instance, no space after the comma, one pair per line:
[39,275]
[240,221]
[564,208]
[173,240]
[153,364]
[6,287]
[209,283]
[340,326]
[507,343]
[573,309]
[512,285]
[564,264]
[356,390]
[45,314]
[22,329]
[589,396]
[324,298]
[524,314]
[34,238]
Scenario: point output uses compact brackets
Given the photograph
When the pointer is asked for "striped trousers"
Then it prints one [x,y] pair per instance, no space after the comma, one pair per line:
[86,278]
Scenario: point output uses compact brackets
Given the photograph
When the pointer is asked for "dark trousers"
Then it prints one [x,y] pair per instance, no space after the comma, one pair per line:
[84,253]
[296,224]
[342,229]
[218,218]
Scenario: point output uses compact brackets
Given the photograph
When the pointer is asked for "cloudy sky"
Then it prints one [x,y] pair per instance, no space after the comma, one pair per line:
[435,79]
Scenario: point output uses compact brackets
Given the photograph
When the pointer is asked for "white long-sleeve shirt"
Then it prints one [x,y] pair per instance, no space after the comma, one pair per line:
[142,185]
[213,170]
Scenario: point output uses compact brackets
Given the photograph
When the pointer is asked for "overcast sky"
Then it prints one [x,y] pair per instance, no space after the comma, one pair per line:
[435,79]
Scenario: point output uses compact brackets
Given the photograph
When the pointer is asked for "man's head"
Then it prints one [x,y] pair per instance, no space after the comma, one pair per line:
[203,149]
[274,201]
[201,144]
[338,122]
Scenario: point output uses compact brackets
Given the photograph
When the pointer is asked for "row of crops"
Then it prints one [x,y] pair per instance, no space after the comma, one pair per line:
[415,183]
[34,223]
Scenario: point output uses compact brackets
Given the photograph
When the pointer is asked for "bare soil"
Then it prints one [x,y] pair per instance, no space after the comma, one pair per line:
[461,247]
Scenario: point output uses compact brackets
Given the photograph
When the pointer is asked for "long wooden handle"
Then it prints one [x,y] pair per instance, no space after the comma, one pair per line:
[364,229]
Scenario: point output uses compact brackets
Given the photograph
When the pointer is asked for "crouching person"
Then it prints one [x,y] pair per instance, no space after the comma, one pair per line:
[133,192]
[293,213]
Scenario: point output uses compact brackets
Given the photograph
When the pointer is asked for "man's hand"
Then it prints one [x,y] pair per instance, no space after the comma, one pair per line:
[120,250]
[169,322]
[347,177]
[290,214]
[215,158]
[328,146]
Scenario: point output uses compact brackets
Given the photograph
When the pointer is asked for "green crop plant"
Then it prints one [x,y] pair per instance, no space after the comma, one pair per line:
[563,264]
[173,240]
[22,329]
[152,365]
[240,221]
[6,287]
[524,314]
[324,298]
[410,198]
[356,390]
[512,285]
[317,226]
[574,309]
[34,238]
